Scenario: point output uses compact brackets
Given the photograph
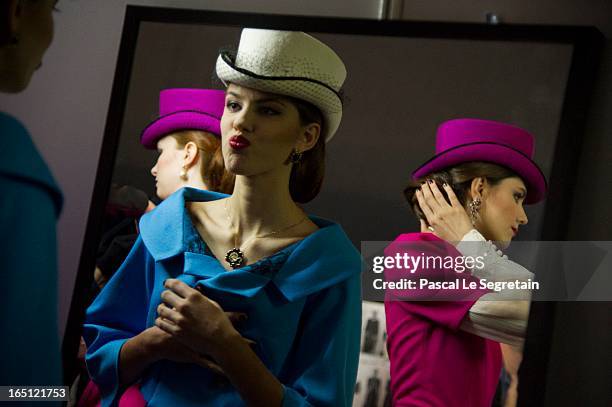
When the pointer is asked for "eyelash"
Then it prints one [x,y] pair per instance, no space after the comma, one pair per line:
[233,106]
[269,111]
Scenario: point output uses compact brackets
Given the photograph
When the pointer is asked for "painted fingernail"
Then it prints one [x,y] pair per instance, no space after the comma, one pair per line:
[431,181]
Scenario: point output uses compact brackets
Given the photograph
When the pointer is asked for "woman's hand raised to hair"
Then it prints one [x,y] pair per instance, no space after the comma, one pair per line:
[449,222]
[194,320]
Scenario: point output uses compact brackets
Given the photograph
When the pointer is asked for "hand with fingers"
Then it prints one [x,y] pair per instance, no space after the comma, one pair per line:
[168,347]
[195,320]
[447,220]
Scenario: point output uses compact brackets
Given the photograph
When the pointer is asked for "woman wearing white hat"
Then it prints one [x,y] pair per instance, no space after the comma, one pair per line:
[295,278]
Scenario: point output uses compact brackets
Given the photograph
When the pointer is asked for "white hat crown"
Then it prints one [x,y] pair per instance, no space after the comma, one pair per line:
[289,54]
[289,63]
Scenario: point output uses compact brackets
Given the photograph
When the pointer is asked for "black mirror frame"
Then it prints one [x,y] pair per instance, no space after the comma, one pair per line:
[587,44]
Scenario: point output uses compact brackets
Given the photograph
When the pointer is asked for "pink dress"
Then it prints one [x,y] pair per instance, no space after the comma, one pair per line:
[131,397]
[433,363]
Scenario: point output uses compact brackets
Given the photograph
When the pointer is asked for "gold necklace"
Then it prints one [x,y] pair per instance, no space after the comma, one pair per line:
[235,256]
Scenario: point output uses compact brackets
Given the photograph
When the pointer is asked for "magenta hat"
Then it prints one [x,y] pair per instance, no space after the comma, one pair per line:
[185,109]
[464,140]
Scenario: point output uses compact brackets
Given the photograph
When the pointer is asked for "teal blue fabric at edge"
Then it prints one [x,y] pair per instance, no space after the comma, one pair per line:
[304,315]
[30,202]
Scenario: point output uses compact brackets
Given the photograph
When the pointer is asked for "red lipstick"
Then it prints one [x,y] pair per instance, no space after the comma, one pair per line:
[238,142]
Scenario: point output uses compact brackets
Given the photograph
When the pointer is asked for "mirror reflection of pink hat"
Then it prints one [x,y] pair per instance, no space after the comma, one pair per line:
[463,140]
[185,109]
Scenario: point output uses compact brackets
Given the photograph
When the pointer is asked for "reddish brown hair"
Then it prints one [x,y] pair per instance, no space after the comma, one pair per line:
[213,167]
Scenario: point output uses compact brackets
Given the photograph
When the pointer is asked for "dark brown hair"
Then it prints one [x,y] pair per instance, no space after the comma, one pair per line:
[5,30]
[213,167]
[307,175]
[5,15]
[460,179]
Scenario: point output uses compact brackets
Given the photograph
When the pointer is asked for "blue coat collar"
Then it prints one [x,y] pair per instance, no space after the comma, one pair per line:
[20,159]
[320,260]
[163,230]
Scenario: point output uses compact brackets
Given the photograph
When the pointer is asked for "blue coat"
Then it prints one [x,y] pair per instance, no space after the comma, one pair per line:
[303,304]
[30,203]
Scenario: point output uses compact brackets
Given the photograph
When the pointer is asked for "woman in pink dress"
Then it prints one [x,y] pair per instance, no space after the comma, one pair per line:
[445,332]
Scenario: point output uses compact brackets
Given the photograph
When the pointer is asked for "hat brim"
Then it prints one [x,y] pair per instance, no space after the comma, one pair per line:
[311,91]
[179,121]
[494,153]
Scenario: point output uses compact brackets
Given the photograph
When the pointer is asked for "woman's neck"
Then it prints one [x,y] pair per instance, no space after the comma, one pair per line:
[196,183]
[262,203]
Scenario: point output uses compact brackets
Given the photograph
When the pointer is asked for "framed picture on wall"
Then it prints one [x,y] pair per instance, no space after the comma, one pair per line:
[404,79]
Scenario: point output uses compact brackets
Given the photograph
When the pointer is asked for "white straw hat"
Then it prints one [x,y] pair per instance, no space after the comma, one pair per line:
[289,63]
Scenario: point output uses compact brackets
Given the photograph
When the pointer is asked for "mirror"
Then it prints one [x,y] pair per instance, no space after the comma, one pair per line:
[403,80]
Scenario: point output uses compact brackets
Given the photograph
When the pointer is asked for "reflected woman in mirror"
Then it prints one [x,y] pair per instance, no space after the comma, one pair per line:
[187,136]
[444,343]
[30,203]
[243,300]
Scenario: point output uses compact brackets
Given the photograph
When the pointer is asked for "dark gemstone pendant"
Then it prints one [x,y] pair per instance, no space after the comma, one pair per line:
[234,257]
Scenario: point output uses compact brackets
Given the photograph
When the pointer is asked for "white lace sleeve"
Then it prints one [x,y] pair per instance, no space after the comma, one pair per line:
[497,266]
[498,315]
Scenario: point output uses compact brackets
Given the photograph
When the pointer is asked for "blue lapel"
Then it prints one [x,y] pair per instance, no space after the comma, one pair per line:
[164,229]
[321,260]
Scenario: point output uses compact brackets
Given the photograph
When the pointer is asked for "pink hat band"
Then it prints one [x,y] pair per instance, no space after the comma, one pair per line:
[464,140]
[185,109]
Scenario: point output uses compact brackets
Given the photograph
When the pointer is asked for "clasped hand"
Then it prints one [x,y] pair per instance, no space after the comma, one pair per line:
[196,326]
[449,221]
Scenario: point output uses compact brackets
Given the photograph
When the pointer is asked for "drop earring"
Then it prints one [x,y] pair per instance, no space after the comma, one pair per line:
[295,156]
[474,207]
[183,174]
